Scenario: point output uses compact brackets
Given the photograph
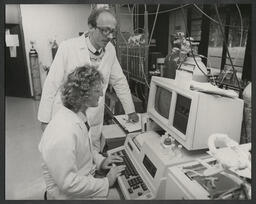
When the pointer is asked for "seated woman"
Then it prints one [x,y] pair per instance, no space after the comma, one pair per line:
[69,160]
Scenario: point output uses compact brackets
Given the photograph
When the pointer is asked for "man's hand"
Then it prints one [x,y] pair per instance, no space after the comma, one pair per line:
[43,125]
[133,117]
[114,172]
[107,163]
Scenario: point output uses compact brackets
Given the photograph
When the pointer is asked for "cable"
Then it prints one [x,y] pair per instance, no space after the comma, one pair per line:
[225,44]
[141,88]
[241,36]
[152,31]
[165,11]
[241,24]
[200,10]
[186,26]
[142,69]
[208,60]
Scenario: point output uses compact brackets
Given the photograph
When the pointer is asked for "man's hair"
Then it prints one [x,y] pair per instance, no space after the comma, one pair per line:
[76,88]
[95,14]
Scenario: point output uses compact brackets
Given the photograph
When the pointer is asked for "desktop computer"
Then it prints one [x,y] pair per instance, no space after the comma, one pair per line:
[188,118]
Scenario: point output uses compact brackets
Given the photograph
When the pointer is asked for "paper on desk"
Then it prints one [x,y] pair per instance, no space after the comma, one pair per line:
[129,126]
[210,89]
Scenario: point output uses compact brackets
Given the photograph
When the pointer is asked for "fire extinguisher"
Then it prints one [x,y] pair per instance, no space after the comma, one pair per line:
[35,73]
[54,49]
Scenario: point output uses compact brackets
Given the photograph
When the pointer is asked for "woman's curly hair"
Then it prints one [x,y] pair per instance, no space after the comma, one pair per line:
[76,89]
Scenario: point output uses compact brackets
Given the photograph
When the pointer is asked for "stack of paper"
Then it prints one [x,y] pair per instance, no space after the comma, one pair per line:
[210,89]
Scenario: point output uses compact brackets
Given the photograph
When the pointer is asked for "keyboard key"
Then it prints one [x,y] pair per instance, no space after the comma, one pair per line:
[144,187]
[130,190]
[140,193]
[135,187]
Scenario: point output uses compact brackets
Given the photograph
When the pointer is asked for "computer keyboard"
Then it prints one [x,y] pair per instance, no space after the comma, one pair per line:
[131,183]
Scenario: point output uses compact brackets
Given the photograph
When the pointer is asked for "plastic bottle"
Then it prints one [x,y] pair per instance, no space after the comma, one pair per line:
[170,65]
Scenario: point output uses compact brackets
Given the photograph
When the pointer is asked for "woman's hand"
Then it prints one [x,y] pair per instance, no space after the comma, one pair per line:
[107,163]
[114,172]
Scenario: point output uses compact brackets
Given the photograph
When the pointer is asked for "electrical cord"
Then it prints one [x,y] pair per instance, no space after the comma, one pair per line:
[153,28]
[208,60]
[164,11]
[241,36]
[215,21]
[241,26]
[143,71]
[225,44]
[186,26]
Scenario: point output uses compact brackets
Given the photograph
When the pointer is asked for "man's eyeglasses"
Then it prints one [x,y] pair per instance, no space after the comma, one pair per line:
[106,30]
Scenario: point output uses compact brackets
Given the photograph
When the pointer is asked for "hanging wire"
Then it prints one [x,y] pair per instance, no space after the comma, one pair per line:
[164,11]
[212,19]
[208,60]
[136,90]
[225,44]
[186,26]
[143,95]
[143,72]
[153,28]
[241,36]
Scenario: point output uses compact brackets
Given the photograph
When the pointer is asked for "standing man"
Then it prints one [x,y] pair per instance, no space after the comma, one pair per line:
[93,48]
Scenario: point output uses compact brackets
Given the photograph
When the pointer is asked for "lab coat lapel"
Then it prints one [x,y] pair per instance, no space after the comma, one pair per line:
[84,53]
[84,119]
[104,58]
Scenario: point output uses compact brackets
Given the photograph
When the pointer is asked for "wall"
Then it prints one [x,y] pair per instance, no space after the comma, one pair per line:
[44,22]
[125,20]
[12,13]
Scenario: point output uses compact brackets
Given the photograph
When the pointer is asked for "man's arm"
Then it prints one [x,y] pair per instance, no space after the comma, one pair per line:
[52,84]
[120,84]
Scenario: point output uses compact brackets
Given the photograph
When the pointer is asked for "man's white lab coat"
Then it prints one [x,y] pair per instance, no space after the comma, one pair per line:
[69,160]
[71,54]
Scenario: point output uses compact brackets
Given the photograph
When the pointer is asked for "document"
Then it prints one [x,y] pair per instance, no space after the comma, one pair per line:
[210,89]
[129,126]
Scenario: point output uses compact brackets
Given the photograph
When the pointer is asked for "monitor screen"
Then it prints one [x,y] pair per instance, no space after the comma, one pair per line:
[181,114]
[163,101]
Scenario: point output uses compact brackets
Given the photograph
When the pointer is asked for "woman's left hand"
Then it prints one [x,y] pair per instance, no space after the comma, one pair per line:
[107,163]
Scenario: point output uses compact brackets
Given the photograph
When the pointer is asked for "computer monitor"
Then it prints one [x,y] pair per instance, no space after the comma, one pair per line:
[191,117]
[162,101]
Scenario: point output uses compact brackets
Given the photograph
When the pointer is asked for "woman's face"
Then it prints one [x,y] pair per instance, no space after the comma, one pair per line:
[94,94]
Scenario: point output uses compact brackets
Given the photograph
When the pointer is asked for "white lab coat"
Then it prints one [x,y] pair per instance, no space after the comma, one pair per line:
[71,54]
[69,160]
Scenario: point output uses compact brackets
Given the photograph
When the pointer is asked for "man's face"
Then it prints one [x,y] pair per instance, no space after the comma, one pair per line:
[104,31]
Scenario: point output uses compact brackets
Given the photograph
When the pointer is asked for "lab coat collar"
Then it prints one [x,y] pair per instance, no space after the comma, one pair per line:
[79,117]
[82,42]
[82,117]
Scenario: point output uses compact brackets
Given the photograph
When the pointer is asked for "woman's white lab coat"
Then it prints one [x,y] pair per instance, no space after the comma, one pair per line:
[69,160]
[73,53]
